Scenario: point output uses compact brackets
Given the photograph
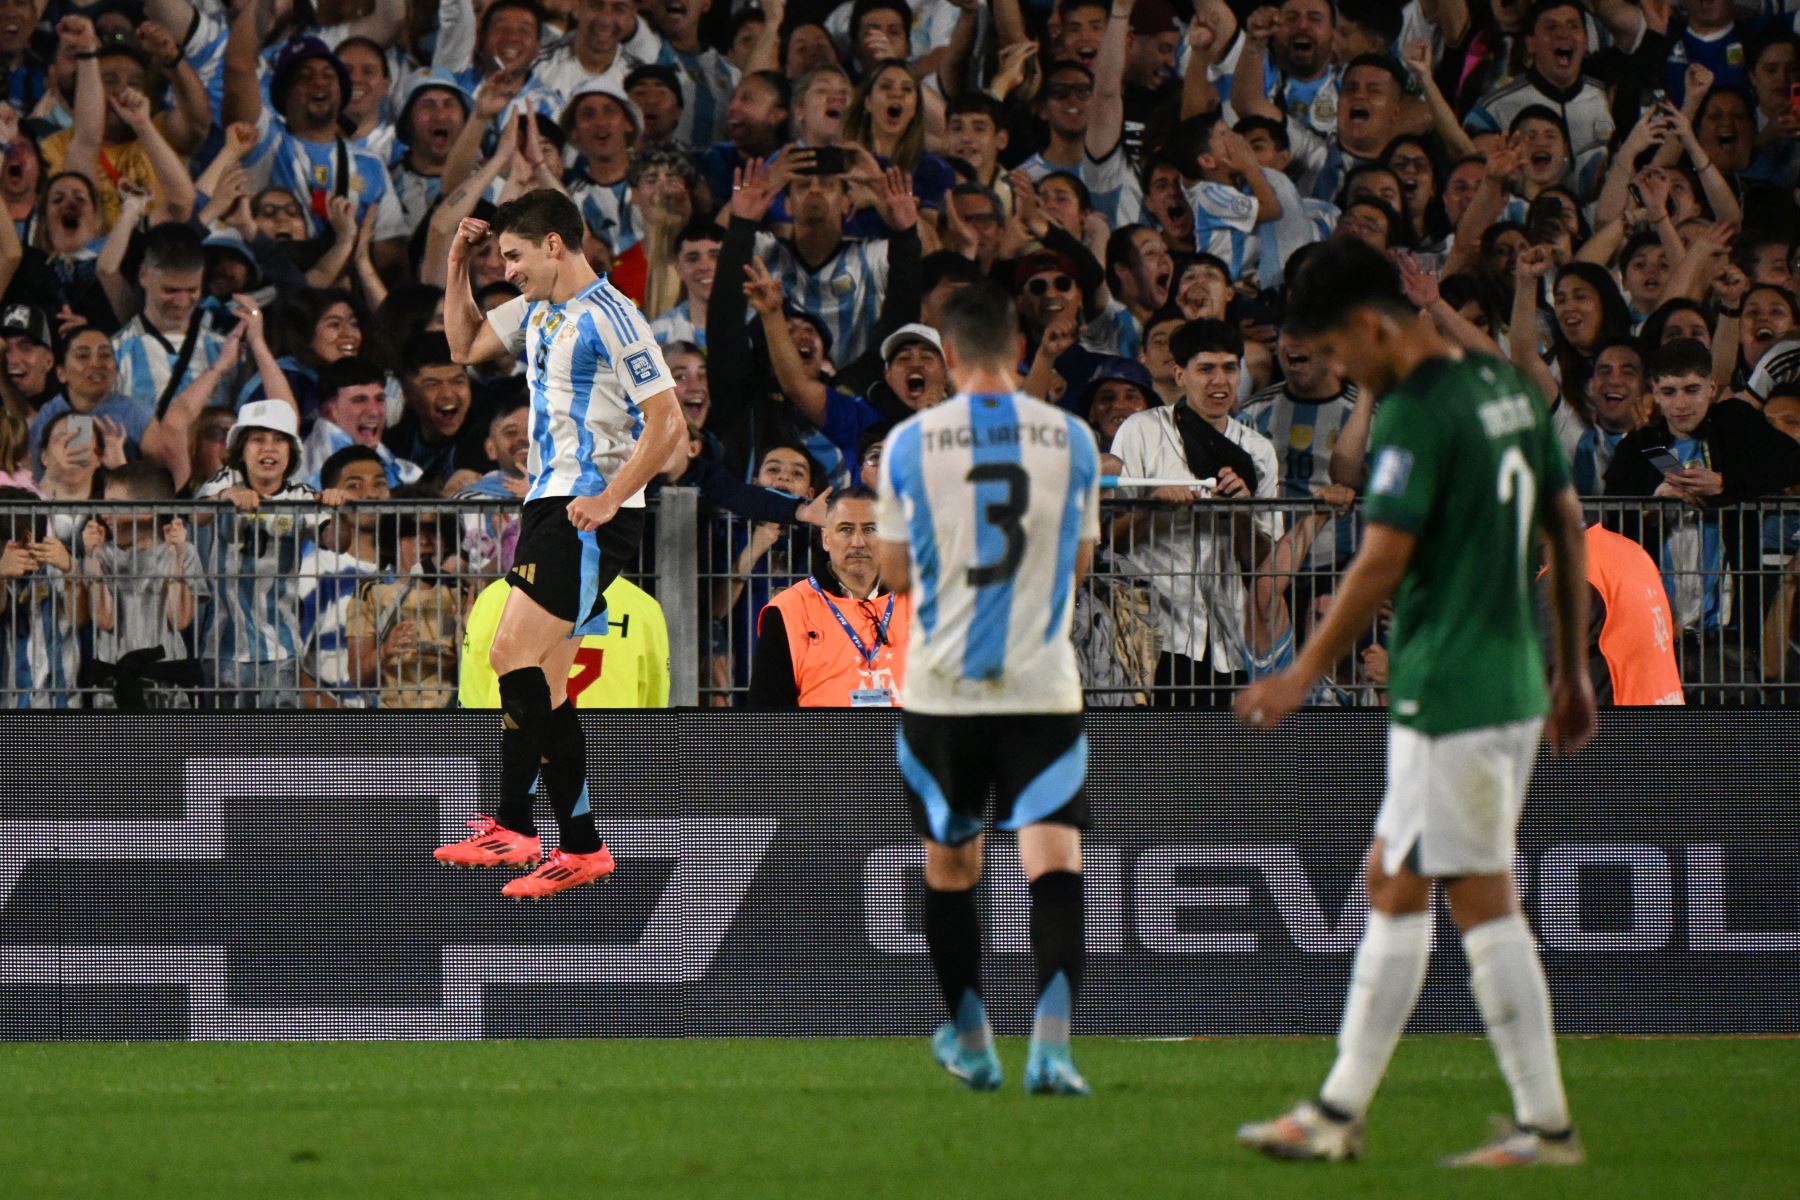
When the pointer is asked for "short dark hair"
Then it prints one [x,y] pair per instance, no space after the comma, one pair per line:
[143,480]
[855,491]
[426,348]
[982,193]
[1065,7]
[776,82]
[173,246]
[1338,278]
[977,104]
[1684,356]
[371,45]
[536,215]
[1190,139]
[1379,62]
[1762,45]
[347,373]
[1396,224]
[863,8]
[981,323]
[1083,198]
[1544,7]
[333,468]
[698,231]
[1542,112]
[1121,250]
[1277,130]
[1205,336]
[1637,243]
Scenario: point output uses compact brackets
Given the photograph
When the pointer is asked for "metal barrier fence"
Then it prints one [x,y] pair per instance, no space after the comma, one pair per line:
[198,604]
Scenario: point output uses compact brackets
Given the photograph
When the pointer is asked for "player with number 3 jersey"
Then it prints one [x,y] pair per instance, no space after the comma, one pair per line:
[989,513]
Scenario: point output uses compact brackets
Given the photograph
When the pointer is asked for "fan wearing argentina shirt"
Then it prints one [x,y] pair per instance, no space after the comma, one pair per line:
[604,420]
[1085,112]
[298,142]
[988,515]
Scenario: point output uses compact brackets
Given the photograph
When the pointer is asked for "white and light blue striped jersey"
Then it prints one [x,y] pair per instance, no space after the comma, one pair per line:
[993,494]
[310,170]
[326,438]
[844,292]
[253,560]
[590,361]
[1114,188]
[146,356]
[1224,221]
[677,325]
[707,81]
[607,210]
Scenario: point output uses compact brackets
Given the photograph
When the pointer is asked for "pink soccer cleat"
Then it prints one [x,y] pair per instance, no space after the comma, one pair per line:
[560,872]
[491,845]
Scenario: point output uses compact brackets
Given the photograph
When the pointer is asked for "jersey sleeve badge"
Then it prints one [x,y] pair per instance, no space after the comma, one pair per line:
[642,369]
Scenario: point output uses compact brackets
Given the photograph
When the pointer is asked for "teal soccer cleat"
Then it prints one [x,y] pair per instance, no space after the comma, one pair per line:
[1050,1071]
[979,1069]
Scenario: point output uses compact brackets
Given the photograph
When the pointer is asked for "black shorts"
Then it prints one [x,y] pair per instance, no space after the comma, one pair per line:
[566,571]
[1035,764]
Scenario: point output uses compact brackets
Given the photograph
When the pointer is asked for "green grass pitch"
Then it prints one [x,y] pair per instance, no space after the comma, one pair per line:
[852,1118]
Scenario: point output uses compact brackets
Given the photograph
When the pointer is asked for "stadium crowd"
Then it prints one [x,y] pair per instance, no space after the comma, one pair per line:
[224,270]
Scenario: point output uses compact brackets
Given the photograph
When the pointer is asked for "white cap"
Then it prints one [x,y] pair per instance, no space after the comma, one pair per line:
[598,87]
[914,332]
[277,415]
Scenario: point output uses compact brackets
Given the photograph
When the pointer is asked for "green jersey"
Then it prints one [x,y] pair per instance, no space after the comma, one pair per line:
[1463,456]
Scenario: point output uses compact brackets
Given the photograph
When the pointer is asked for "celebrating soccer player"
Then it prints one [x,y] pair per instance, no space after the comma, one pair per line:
[989,513]
[1466,473]
[604,420]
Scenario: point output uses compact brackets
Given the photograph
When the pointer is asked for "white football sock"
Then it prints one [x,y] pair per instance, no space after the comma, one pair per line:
[1384,987]
[1508,982]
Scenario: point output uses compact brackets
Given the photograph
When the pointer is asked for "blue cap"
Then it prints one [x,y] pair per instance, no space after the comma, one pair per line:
[1113,369]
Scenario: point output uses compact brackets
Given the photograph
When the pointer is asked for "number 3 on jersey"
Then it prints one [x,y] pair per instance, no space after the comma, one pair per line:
[1002,516]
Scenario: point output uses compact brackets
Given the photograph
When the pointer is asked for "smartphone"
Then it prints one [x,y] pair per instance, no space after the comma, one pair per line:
[1794,97]
[81,433]
[1637,197]
[1660,458]
[828,160]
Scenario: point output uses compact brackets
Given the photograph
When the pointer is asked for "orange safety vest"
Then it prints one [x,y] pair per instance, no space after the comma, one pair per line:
[1638,637]
[827,665]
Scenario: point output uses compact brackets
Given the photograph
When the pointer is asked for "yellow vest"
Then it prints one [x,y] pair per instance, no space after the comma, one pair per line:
[626,667]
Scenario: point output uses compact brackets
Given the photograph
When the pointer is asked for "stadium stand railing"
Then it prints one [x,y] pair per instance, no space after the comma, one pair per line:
[365,605]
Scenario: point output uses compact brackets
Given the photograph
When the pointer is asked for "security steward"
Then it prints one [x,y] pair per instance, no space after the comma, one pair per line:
[838,638]
[1631,635]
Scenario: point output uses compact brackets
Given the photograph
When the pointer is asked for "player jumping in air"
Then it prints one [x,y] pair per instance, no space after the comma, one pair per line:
[989,513]
[604,419]
[1466,473]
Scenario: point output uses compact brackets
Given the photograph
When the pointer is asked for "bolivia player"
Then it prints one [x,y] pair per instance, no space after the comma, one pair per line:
[1466,473]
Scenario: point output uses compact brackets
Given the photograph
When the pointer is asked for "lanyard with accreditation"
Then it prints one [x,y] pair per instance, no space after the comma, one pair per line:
[869,697]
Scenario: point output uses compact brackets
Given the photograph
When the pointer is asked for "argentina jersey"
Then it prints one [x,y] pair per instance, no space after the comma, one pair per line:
[1224,224]
[844,292]
[589,362]
[993,493]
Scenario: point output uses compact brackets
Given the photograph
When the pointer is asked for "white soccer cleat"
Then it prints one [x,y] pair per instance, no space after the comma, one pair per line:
[1516,1146]
[1302,1133]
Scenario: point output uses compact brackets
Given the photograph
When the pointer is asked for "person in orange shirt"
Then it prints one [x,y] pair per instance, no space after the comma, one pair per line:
[838,638]
[1631,636]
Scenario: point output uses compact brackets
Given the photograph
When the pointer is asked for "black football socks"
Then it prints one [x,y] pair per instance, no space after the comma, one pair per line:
[525,718]
[1059,941]
[953,933]
[565,782]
